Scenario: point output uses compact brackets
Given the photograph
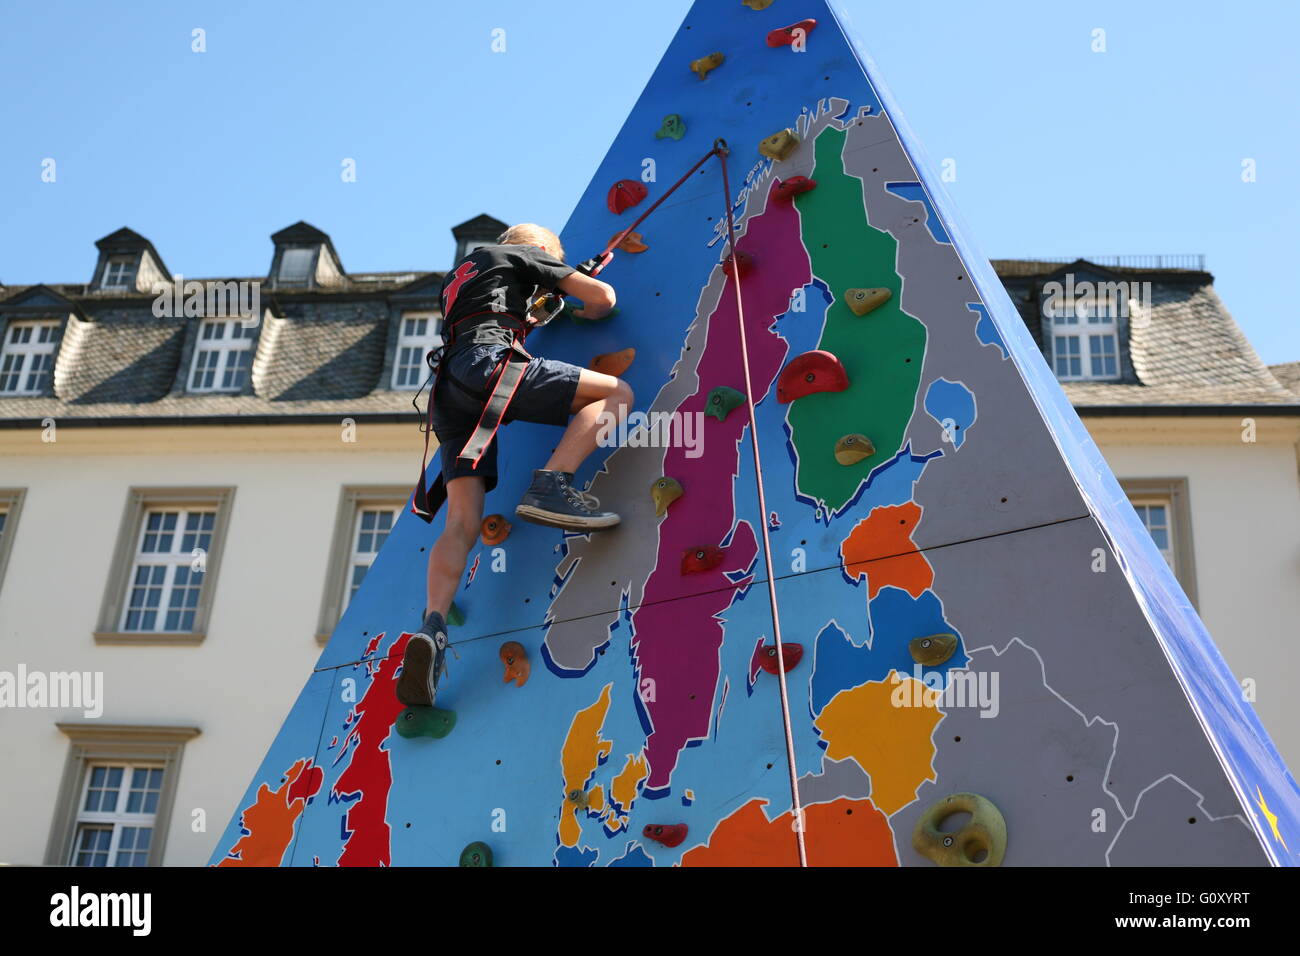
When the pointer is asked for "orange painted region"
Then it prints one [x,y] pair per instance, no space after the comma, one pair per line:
[596,799]
[844,832]
[271,818]
[623,789]
[887,727]
[880,547]
[583,750]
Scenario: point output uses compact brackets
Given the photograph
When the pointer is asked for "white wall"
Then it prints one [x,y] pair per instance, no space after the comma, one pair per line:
[236,686]
[1245,517]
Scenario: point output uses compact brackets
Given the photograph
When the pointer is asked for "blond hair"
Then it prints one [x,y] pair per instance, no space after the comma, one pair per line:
[531,234]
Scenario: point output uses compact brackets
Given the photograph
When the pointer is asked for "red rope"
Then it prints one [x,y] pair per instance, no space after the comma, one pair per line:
[673,188]
[721,152]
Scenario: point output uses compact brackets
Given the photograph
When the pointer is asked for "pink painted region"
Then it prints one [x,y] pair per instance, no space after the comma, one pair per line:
[368,777]
[678,639]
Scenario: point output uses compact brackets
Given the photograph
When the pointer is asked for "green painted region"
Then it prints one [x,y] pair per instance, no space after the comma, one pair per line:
[882,351]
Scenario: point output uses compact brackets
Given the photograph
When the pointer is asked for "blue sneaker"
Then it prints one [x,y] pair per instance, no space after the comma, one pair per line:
[423,663]
[553,501]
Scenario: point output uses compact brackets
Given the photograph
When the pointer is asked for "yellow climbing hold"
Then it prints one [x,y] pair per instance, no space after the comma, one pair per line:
[933,649]
[851,449]
[780,145]
[706,64]
[981,842]
[664,492]
[757,4]
[862,301]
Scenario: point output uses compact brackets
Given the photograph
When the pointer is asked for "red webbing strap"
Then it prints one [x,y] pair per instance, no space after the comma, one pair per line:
[508,375]
[796,807]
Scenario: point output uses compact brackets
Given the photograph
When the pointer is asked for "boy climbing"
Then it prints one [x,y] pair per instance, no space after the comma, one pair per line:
[486,379]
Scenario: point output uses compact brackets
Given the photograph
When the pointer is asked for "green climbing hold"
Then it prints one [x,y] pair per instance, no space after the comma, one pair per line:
[722,400]
[455,616]
[425,722]
[981,842]
[933,649]
[477,853]
[673,128]
[571,311]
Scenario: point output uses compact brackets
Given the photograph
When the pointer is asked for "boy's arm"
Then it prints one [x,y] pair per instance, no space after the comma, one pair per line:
[597,297]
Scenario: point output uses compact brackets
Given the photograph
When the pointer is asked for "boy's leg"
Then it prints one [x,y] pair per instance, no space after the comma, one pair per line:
[599,397]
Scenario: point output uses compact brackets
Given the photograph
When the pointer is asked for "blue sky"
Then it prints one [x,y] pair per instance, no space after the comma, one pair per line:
[1059,151]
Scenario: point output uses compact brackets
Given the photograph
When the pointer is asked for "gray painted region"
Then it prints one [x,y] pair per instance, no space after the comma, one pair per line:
[1039,762]
[839,779]
[1162,831]
[1098,651]
[1011,474]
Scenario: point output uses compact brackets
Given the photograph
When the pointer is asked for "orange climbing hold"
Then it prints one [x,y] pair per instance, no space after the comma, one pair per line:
[706,64]
[494,529]
[515,658]
[625,194]
[786,189]
[780,145]
[613,363]
[786,36]
[632,242]
[811,372]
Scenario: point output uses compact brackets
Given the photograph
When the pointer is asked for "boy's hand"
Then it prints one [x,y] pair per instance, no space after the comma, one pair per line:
[597,297]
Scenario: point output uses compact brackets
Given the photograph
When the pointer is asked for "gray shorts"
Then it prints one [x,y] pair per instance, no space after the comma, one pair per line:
[545,396]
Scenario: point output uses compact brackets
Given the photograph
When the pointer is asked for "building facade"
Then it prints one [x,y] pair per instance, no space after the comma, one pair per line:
[196,473]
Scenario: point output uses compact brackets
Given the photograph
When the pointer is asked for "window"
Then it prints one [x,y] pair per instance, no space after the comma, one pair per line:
[118,810]
[1162,507]
[366,516]
[162,575]
[115,800]
[11,503]
[27,361]
[119,273]
[1084,340]
[419,334]
[295,265]
[223,356]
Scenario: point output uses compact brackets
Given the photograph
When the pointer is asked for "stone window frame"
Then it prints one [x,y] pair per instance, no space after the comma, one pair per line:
[95,742]
[351,499]
[139,501]
[434,337]
[11,502]
[1175,491]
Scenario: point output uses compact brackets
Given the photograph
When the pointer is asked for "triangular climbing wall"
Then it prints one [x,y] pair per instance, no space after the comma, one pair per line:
[1066,680]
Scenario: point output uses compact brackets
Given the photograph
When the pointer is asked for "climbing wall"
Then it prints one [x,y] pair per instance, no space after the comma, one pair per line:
[974,619]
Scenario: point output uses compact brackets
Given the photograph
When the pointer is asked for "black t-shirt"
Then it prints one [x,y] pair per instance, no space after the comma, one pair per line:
[492,284]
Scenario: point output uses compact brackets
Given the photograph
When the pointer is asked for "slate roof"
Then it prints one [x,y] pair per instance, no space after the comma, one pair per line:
[326,353]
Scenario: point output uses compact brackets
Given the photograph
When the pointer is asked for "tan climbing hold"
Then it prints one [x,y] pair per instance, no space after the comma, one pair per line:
[981,842]
[632,242]
[933,649]
[862,301]
[780,145]
[665,491]
[852,449]
[494,529]
[515,658]
[757,4]
[706,64]
[613,363]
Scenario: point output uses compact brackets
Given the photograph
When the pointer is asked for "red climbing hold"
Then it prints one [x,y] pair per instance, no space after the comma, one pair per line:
[792,654]
[625,194]
[787,189]
[696,560]
[786,35]
[814,371]
[743,264]
[669,834]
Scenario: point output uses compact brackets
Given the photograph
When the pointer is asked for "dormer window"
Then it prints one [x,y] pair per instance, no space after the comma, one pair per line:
[295,266]
[27,359]
[419,334]
[119,273]
[1085,340]
[222,356]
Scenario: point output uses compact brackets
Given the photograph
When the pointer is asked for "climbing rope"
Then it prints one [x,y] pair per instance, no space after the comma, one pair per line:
[720,150]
